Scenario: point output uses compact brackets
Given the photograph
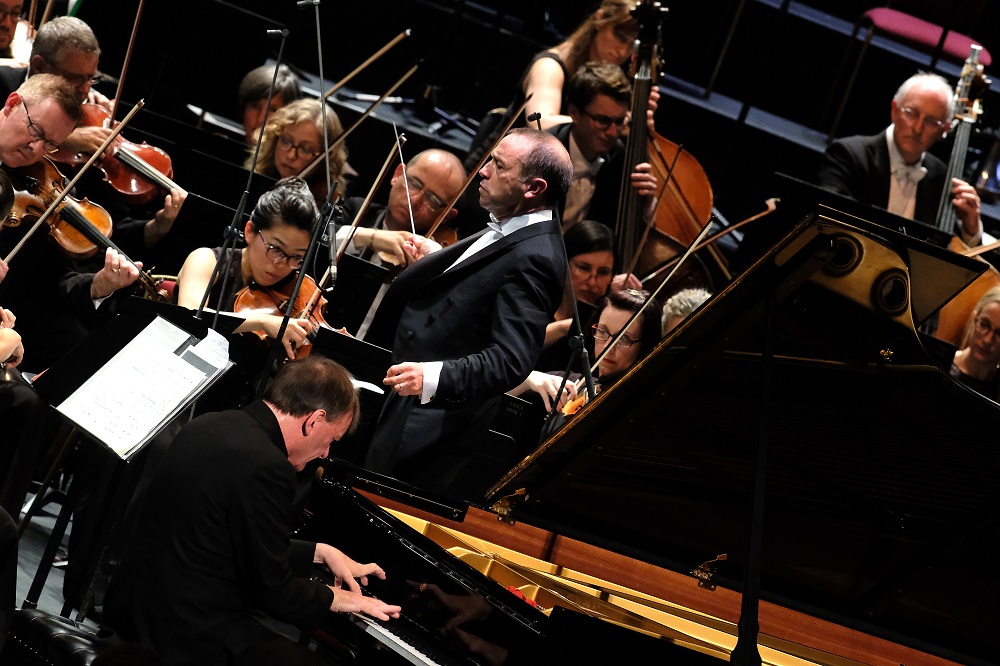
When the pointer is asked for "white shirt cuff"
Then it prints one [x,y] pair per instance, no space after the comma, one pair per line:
[432,374]
[976,239]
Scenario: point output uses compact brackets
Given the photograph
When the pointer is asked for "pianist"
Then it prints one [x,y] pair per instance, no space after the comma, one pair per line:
[212,545]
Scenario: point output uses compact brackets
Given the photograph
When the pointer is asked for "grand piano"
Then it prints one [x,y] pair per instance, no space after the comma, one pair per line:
[789,474]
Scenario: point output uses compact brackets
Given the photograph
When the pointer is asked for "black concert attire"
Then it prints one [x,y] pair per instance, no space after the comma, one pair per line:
[212,547]
[484,318]
[8,573]
[989,388]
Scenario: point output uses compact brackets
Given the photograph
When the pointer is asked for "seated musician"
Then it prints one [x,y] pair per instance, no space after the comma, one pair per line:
[253,92]
[67,47]
[680,305]
[56,300]
[293,138]
[433,177]
[598,100]
[894,170]
[277,238]
[466,323]
[613,312]
[608,35]
[8,24]
[975,363]
[212,547]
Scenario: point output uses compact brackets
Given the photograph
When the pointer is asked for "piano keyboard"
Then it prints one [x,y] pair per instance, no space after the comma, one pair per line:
[394,636]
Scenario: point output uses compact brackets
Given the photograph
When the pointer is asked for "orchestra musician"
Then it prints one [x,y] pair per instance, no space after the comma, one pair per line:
[680,305]
[277,238]
[293,138]
[8,23]
[608,35]
[598,100]
[975,363]
[213,548]
[433,178]
[467,323]
[893,169]
[253,92]
[67,47]
[57,301]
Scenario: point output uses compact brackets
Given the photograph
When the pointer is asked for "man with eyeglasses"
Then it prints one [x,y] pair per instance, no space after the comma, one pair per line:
[893,169]
[10,14]
[68,48]
[598,99]
[433,178]
[55,301]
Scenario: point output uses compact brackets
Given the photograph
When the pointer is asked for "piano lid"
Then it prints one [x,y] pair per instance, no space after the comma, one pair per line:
[881,500]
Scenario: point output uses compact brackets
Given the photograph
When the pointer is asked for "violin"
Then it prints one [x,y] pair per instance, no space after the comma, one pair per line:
[79,226]
[309,304]
[35,187]
[139,172]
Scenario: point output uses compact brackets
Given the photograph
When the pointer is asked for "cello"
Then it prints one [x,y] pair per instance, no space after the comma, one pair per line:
[684,204]
[954,316]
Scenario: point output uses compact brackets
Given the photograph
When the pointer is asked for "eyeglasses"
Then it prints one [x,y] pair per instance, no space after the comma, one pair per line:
[75,80]
[286,143]
[277,255]
[37,133]
[417,185]
[913,116]
[13,12]
[584,269]
[602,334]
[605,122]
[984,326]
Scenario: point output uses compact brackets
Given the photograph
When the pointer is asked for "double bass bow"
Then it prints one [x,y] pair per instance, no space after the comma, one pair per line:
[954,316]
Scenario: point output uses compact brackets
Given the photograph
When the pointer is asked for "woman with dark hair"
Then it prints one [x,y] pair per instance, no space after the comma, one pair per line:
[642,335]
[277,237]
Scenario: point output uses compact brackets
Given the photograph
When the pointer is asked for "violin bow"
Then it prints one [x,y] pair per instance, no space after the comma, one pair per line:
[46,13]
[406,183]
[635,315]
[487,155]
[128,58]
[651,222]
[375,56]
[72,183]
[311,167]
[771,207]
[390,158]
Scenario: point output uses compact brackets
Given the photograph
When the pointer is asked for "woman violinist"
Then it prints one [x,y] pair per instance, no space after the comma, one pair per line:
[293,137]
[277,238]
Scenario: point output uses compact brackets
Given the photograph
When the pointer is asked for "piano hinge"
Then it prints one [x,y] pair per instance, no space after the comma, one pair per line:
[705,571]
[505,505]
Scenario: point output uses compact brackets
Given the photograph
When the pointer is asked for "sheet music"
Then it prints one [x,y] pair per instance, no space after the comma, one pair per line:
[145,384]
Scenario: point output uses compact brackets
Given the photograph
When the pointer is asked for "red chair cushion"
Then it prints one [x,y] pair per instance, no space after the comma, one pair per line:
[921,33]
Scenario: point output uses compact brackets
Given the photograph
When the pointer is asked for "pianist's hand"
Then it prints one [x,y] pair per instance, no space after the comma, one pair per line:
[349,601]
[344,568]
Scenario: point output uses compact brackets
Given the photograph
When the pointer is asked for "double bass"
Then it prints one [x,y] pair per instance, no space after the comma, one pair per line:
[684,204]
[954,316]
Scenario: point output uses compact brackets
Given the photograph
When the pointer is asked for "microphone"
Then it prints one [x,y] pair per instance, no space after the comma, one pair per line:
[306,3]
[533,117]
[278,33]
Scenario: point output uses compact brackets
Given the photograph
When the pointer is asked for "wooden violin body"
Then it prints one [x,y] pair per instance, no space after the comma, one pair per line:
[309,303]
[38,185]
[139,171]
